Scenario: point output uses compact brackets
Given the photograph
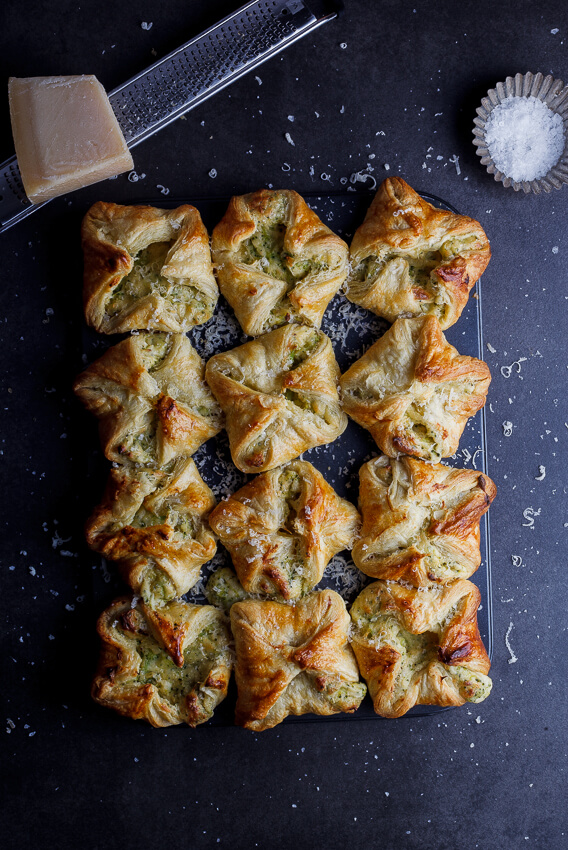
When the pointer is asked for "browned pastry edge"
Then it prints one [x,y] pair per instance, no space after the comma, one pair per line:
[288,513]
[401,224]
[118,681]
[420,520]
[401,373]
[106,228]
[447,617]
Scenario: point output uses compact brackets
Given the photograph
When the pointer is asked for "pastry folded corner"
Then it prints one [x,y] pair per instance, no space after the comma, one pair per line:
[420,646]
[293,659]
[413,391]
[167,668]
[411,259]
[146,269]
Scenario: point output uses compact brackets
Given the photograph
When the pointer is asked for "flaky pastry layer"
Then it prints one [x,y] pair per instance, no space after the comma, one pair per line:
[413,391]
[419,645]
[282,529]
[276,262]
[146,269]
[420,520]
[409,258]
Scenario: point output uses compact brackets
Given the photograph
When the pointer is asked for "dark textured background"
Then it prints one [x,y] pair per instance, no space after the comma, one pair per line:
[402,92]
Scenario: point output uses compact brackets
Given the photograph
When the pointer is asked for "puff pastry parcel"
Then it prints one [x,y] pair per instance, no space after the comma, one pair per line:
[409,258]
[146,269]
[279,394]
[153,522]
[282,529]
[420,646]
[293,659]
[276,262]
[177,680]
[413,391]
[151,399]
[420,520]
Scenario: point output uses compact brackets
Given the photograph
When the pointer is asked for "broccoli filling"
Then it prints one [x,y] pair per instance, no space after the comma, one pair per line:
[367,270]
[157,588]
[457,246]
[146,279]
[290,484]
[361,393]
[139,448]
[424,436]
[155,348]
[473,687]
[348,696]
[182,524]
[300,401]
[292,558]
[300,352]
[265,250]
[176,683]
[224,589]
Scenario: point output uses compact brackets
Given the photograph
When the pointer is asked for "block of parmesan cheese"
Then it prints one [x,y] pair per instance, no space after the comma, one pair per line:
[65,133]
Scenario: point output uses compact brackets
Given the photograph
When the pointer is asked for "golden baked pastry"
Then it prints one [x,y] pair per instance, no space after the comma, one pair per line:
[282,528]
[413,391]
[409,258]
[276,262]
[293,659]
[419,646]
[140,677]
[279,395]
[420,520]
[146,269]
[151,399]
[152,521]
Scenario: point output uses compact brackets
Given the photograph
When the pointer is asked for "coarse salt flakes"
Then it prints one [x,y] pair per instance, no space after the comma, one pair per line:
[525,138]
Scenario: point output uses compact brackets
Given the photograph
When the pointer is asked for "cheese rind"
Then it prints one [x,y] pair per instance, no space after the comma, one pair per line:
[65,134]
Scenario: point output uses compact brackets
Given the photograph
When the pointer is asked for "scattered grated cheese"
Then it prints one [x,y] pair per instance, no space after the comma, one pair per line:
[513,659]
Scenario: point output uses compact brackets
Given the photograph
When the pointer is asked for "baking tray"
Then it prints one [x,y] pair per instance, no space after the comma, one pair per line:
[352,330]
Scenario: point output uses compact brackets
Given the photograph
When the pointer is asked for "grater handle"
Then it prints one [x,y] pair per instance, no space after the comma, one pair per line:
[185,78]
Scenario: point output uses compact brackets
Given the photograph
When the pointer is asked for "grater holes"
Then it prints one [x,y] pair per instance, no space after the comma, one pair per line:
[204,64]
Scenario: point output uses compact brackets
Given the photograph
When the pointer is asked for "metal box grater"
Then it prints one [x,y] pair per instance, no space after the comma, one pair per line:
[185,78]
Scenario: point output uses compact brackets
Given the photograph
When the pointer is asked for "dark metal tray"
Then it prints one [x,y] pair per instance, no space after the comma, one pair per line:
[352,330]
